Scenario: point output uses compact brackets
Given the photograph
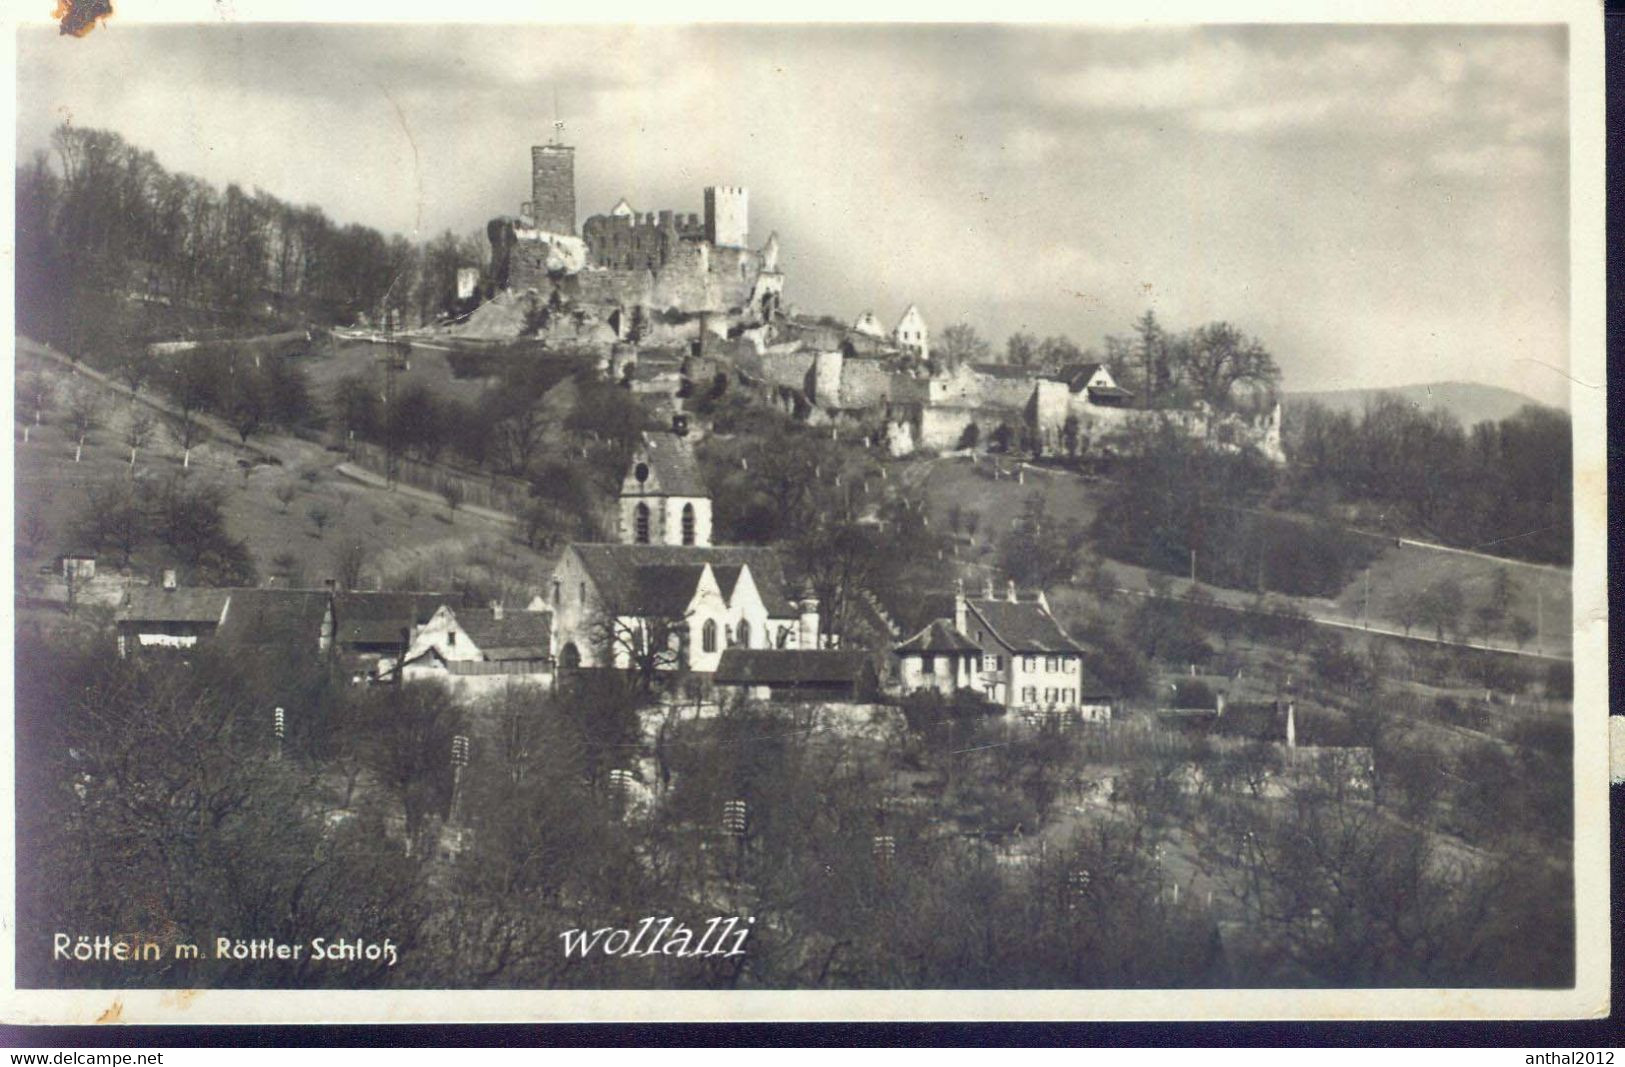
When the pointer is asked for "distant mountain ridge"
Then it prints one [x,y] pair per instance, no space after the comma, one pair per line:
[1470,402]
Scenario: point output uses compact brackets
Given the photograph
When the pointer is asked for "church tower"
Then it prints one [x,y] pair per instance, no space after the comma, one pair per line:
[553,188]
[663,498]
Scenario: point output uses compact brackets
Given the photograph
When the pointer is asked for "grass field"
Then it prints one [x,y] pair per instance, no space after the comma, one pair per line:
[1541,594]
[402,536]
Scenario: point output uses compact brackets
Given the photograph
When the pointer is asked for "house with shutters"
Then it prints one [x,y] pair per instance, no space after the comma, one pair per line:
[1010,649]
[476,650]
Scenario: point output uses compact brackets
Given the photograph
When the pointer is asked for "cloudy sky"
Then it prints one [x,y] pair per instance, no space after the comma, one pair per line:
[1380,205]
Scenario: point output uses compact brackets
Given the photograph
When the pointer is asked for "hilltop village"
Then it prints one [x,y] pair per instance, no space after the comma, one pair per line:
[542,579]
[672,299]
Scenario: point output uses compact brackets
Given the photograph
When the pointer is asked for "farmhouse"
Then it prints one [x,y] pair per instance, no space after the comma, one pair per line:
[175,617]
[478,649]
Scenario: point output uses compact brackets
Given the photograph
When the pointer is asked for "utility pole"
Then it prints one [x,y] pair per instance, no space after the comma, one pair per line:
[1193,566]
[1365,610]
[1540,620]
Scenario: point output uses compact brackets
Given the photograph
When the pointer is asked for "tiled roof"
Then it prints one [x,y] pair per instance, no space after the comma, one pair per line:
[379,618]
[789,666]
[672,467]
[1110,391]
[517,635]
[291,617]
[613,568]
[1022,626]
[174,605]
[939,636]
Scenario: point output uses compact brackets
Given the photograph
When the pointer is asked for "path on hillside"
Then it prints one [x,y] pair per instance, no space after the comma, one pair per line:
[378,481]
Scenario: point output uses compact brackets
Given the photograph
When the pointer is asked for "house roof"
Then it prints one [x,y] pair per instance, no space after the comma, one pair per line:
[939,636]
[1003,370]
[517,635]
[613,568]
[174,605]
[379,618]
[1111,391]
[663,590]
[672,465]
[1022,625]
[290,617]
[790,666]
[1077,375]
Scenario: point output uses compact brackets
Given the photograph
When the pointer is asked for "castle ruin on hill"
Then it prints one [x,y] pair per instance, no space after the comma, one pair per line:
[625,263]
[678,300]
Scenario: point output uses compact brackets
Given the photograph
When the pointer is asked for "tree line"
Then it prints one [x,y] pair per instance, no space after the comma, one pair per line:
[111,243]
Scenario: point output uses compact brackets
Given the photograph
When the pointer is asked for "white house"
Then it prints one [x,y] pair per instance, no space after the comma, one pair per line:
[911,333]
[1011,649]
[474,650]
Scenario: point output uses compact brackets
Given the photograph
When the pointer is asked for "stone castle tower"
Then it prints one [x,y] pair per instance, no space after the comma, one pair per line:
[553,188]
[727,217]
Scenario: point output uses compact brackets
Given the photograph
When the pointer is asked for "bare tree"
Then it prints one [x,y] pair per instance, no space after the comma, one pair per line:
[84,415]
[137,432]
[644,647]
[452,492]
[351,560]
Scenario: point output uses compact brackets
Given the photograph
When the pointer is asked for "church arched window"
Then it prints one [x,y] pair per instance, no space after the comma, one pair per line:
[640,524]
[688,524]
[744,633]
[708,635]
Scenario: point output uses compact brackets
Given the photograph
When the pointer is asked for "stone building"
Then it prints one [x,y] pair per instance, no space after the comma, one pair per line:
[476,650]
[625,259]
[663,498]
[911,333]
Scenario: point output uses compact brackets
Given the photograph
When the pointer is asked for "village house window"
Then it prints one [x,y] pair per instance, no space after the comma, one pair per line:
[1031,663]
[688,524]
[928,664]
[558,592]
[582,594]
[708,635]
[1049,664]
[451,638]
[998,661]
[640,524]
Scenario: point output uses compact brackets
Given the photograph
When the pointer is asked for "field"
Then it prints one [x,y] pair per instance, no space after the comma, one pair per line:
[404,537]
[1541,594]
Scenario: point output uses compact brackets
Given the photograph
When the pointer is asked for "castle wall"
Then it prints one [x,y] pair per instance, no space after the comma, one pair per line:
[787,369]
[865,383]
[828,368]
[617,288]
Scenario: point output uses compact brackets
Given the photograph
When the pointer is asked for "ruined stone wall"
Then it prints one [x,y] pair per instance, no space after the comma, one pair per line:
[865,383]
[683,282]
[827,371]
[787,369]
[610,288]
[733,273]
[627,242]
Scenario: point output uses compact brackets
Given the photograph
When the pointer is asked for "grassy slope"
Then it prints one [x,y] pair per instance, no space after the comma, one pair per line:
[401,536]
[957,481]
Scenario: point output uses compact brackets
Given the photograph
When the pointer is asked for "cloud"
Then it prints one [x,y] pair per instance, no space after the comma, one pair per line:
[1488,161]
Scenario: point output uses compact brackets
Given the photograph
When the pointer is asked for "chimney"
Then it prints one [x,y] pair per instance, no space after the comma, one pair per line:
[1291,726]
[959,605]
[1010,590]
[807,636]
[1043,601]
[1219,705]
[987,588]
[496,610]
[169,579]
